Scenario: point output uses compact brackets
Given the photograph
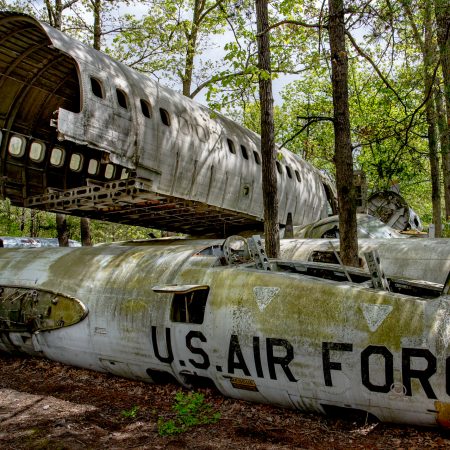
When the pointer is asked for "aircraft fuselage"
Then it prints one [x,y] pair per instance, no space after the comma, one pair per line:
[291,336]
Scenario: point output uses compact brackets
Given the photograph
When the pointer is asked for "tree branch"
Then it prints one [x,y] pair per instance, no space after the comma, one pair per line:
[377,70]
[292,22]
[68,4]
[310,121]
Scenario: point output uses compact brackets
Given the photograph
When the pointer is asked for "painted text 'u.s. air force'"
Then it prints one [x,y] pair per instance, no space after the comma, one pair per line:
[331,353]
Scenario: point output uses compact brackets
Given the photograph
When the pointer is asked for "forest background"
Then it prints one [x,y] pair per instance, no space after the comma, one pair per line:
[398,83]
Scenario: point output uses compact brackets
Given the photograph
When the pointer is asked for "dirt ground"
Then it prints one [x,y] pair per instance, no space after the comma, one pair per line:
[46,405]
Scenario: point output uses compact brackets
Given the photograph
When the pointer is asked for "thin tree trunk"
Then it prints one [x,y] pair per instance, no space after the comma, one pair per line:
[343,157]
[429,51]
[85,232]
[85,223]
[33,223]
[97,4]
[191,48]
[62,230]
[23,219]
[445,148]
[442,13]
[268,150]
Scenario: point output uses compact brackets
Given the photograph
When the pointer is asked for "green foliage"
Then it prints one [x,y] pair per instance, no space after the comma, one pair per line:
[15,221]
[190,410]
[171,40]
[130,413]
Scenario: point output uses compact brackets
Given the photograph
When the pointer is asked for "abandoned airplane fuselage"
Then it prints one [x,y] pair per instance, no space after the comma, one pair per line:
[300,335]
[83,134]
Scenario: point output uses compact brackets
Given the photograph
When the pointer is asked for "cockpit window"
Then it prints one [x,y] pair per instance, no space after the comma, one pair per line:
[189,307]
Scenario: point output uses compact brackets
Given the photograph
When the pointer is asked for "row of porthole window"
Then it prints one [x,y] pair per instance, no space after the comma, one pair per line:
[244,152]
[36,153]
[146,108]
[122,100]
[17,146]
[245,155]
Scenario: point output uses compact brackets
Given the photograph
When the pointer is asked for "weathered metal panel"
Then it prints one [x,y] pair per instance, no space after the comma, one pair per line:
[289,336]
[420,259]
[55,89]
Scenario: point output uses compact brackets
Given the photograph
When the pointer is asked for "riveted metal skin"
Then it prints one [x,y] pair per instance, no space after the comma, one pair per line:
[299,335]
[83,134]
[416,259]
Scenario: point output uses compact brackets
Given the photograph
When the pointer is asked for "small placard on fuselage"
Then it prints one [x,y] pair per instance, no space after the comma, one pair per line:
[244,384]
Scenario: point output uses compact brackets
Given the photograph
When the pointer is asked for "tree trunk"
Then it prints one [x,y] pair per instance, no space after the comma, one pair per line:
[85,224]
[33,223]
[445,148]
[85,232]
[62,230]
[191,48]
[23,219]
[429,51]
[342,145]
[442,13]
[97,5]
[268,150]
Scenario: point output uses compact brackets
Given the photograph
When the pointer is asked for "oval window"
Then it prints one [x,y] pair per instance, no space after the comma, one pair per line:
[146,109]
[244,152]
[231,146]
[122,99]
[17,146]
[57,157]
[280,171]
[109,171]
[93,167]
[297,175]
[165,118]
[37,151]
[76,162]
[257,157]
[97,88]
[288,171]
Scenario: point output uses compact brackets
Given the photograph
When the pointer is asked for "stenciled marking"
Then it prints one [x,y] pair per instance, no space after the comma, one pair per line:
[264,295]
[375,314]
[280,352]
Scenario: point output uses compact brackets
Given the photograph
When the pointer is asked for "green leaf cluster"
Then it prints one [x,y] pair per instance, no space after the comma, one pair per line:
[189,410]
[130,413]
